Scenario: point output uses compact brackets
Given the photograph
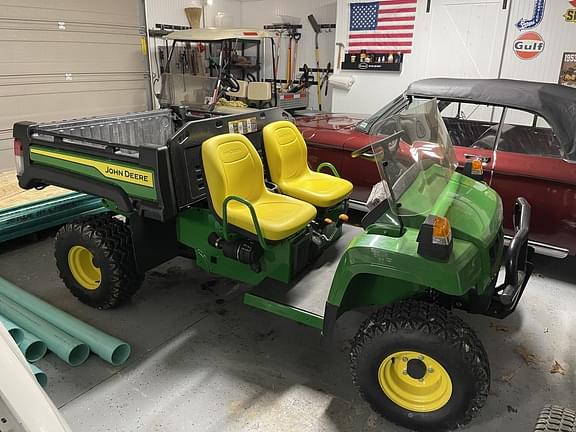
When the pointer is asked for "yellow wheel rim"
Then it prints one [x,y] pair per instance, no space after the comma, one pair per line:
[81,264]
[415,381]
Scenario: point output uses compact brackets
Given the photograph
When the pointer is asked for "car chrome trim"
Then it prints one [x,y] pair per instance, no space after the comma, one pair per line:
[320,145]
[543,248]
[358,205]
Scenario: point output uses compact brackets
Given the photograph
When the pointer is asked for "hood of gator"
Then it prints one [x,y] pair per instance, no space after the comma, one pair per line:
[475,212]
[473,208]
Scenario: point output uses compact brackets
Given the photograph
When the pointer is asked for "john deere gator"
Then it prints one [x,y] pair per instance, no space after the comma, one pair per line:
[235,194]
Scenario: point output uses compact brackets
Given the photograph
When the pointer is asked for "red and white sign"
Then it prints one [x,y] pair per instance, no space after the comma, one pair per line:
[528,45]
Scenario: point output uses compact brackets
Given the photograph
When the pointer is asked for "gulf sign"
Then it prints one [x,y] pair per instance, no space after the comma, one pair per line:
[528,45]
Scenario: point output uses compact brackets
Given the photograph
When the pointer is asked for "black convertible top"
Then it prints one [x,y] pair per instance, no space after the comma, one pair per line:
[555,103]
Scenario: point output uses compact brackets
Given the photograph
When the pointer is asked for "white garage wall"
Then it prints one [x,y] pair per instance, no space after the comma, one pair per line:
[372,89]
[457,38]
[461,38]
[559,37]
[257,13]
[172,12]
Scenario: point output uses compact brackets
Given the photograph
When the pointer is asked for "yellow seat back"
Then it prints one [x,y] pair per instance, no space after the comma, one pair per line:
[232,166]
[287,157]
[286,152]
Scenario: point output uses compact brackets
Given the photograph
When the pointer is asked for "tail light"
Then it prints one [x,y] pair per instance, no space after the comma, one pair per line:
[18,156]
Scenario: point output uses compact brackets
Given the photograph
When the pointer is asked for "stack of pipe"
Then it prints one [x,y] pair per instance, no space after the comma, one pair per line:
[40,215]
[32,348]
[37,326]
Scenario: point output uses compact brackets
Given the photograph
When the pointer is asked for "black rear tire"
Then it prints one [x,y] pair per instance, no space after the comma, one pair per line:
[439,338]
[109,241]
[557,419]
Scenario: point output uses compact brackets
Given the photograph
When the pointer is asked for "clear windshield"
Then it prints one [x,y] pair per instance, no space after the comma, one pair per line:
[415,161]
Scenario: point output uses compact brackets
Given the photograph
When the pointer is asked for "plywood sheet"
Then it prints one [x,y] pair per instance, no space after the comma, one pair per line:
[11,195]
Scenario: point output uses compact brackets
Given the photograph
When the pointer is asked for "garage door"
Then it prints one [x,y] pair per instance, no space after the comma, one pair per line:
[62,59]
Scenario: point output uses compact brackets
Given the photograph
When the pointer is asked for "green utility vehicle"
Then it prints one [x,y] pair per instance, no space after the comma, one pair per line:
[235,193]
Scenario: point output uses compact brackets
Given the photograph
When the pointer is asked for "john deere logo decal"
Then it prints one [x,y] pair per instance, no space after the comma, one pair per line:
[528,45]
[570,15]
[125,174]
[537,16]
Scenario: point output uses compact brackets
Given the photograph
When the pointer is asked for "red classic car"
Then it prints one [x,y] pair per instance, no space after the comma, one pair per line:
[524,132]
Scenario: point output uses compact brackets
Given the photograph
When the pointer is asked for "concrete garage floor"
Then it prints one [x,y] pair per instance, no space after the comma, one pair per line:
[203,361]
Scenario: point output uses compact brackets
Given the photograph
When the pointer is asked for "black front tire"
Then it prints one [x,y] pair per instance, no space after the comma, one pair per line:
[413,326]
[109,241]
[554,418]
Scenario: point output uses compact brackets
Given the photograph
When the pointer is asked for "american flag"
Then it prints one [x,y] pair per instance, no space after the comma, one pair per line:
[385,26]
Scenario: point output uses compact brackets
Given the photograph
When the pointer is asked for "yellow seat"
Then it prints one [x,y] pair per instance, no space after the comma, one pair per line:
[232,166]
[287,160]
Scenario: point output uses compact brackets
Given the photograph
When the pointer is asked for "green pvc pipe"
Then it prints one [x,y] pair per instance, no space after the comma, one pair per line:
[39,215]
[39,374]
[68,348]
[16,332]
[107,347]
[32,347]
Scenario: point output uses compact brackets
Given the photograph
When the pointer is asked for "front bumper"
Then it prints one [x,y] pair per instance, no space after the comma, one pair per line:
[518,265]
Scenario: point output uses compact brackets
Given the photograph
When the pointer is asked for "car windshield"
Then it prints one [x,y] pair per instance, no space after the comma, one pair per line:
[415,161]
[393,107]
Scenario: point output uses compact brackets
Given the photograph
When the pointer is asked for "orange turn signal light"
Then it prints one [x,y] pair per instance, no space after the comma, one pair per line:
[477,168]
[435,238]
[441,231]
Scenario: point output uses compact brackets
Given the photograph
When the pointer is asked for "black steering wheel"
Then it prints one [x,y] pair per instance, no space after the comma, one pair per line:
[485,141]
[229,83]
